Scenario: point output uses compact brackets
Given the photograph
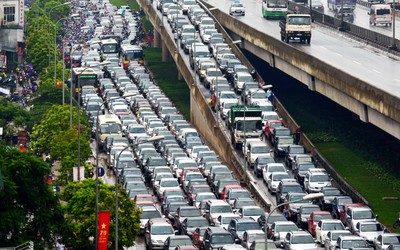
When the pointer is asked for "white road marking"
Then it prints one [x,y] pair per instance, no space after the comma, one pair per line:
[356,62]
[397,80]
[338,54]
[376,71]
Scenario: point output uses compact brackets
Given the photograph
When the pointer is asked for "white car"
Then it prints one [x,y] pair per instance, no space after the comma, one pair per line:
[383,241]
[274,179]
[237,9]
[324,226]
[272,167]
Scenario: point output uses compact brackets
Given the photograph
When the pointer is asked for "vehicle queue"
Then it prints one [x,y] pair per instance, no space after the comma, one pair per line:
[188,196]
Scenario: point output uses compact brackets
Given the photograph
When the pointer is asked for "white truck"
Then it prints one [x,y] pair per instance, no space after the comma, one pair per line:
[296,26]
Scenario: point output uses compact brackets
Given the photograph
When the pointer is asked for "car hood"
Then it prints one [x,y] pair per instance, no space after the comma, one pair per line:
[303,246]
[161,238]
[370,236]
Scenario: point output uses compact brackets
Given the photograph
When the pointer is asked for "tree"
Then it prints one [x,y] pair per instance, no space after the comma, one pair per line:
[81,210]
[29,209]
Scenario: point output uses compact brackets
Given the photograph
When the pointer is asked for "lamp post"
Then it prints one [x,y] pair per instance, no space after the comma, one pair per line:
[55,52]
[306,197]
[51,9]
[394,24]
[151,139]
[97,170]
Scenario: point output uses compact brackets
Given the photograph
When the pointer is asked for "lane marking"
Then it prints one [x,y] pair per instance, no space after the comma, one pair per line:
[356,62]
[338,54]
[397,80]
[376,71]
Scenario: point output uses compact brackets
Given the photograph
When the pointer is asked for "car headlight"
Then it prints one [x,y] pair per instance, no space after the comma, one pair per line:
[153,241]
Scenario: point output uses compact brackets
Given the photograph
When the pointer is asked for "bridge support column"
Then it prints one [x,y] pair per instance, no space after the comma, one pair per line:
[157,39]
[166,56]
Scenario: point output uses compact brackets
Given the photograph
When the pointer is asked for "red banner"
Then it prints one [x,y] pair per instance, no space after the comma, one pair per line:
[104,223]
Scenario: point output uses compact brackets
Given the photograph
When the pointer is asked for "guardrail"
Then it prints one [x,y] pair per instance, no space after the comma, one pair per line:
[360,32]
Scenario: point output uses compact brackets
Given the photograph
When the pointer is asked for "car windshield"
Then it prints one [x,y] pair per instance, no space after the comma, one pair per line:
[180,242]
[240,204]
[190,212]
[228,95]
[239,194]
[260,150]
[137,130]
[344,201]
[254,237]
[287,189]
[245,78]
[286,228]
[201,197]
[371,227]
[150,214]
[162,230]
[296,150]
[308,210]
[319,178]
[197,223]
[363,215]
[253,211]
[171,183]
[227,219]
[248,226]
[306,167]
[222,209]
[391,240]
[284,140]
[302,239]
[347,244]
[332,226]
[110,128]
[276,169]
[222,239]
[319,217]
[331,192]
[279,177]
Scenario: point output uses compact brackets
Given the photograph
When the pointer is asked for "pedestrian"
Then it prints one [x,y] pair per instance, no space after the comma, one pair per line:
[297,134]
[213,101]
[22,148]
[269,92]
[286,212]
[271,98]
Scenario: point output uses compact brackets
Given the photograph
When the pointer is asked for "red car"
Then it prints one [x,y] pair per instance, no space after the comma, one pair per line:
[270,126]
[225,190]
[314,218]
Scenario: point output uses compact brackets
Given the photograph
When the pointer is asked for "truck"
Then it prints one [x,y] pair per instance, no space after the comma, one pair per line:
[336,5]
[244,121]
[296,26]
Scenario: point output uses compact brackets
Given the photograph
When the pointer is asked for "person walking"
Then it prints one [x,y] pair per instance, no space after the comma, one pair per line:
[213,101]
[297,134]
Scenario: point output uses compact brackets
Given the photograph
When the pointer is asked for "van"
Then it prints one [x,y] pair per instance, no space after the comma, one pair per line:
[255,149]
[108,125]
[380,14]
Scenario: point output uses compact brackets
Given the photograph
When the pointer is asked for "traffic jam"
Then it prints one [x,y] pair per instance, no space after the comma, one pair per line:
[189,197]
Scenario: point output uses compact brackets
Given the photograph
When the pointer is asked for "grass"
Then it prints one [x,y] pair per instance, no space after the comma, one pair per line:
[166,75]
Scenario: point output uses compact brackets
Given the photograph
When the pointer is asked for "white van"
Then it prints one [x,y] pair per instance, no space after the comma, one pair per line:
[108,125]
[380,14]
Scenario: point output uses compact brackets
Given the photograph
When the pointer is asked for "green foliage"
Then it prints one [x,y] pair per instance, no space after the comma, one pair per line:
[29,209]
[81,210]
[10,111]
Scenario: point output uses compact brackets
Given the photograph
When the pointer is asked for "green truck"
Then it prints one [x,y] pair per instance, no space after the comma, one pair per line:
[244,121]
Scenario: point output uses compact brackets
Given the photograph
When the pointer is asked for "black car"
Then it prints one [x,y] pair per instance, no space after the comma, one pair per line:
[284,188]
[189,225]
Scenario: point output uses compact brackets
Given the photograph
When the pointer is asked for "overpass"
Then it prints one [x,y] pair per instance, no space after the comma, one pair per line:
[359,78]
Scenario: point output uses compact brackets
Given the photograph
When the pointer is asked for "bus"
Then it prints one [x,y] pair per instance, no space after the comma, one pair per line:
[84,77]
[131,53]
[274,8]
[109,48]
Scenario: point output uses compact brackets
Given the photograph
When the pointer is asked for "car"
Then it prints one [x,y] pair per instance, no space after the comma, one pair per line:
[285,187]
[270,126]
[357,214]
[148,212]
[271,219]
[330,193]
[298,240]
[351,242]
[237,9]
[316,179]
[369,230]
[185,212]
[189,225]
[272,167]
[332,236]
[249,236]
[216,237]
[238,226]
[260,164]
[214,208]
[304,213]
[383,241]
[338,205]
[253,212]
[314,218]
[278,230]
[317,6]
[324,226]
[177,240]
[274,179]
[157,231]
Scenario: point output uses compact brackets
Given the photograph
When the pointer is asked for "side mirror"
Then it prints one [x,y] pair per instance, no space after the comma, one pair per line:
[237,241]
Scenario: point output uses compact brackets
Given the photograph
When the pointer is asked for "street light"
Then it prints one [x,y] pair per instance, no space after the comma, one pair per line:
[97,168]
[305,198]
[55,51]
[51,9]
[151,139]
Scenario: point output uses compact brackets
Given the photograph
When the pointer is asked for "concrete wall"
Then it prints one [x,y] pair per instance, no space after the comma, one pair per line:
[370,103]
